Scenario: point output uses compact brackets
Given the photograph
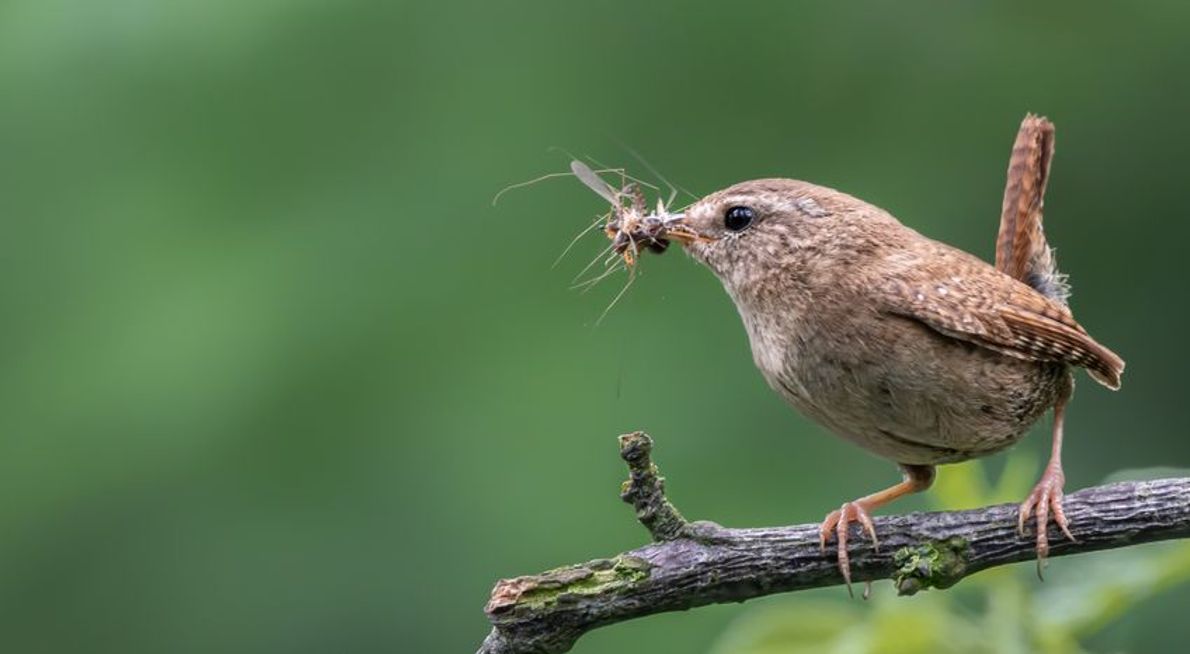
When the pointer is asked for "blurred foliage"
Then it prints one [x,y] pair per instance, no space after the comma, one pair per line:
[998,611]
[278,378]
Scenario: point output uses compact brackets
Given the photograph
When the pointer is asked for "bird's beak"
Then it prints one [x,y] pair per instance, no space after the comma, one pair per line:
[678,229]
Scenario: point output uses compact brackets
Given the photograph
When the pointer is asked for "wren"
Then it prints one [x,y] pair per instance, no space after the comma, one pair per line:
[910,348]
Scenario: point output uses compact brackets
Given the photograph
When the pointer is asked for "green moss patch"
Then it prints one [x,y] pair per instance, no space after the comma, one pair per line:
[935,564]
[593,578]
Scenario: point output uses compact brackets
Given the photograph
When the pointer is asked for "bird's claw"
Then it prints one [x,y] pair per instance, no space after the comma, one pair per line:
[1045,499]
[839,521]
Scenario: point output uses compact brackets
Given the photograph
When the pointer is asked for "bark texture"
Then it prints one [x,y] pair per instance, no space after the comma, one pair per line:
[691,564]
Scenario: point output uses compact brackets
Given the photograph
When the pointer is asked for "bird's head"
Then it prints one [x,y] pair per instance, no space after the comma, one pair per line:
[756,229]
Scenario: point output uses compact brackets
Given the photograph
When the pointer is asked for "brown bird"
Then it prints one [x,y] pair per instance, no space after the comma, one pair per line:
[907,347]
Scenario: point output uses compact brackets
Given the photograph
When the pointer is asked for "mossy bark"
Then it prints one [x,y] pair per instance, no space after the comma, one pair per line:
[933,564]
[691,564]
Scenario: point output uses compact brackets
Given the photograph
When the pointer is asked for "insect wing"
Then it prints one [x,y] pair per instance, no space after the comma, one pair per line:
[593,181]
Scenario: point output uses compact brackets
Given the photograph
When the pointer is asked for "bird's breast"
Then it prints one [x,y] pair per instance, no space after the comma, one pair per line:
[898,388]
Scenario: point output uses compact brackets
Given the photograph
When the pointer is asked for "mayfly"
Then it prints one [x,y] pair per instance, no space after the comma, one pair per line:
[630,226]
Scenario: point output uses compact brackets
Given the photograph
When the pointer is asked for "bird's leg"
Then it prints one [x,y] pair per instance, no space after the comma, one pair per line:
[917,478]
[1046,497]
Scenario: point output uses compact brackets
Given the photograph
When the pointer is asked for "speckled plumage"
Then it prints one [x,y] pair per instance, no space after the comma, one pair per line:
[907,347]
[910,348]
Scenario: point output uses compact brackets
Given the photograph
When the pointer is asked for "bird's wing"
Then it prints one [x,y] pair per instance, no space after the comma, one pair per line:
[960,298]
[1021,249]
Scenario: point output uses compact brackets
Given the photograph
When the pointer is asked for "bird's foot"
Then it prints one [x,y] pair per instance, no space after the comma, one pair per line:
[839,521]
[1045,499]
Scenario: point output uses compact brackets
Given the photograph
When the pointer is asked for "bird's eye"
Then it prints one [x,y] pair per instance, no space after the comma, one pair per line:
[737,218]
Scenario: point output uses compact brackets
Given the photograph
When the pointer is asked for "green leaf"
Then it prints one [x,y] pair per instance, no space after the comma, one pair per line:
[789,627]
[1093,591]
[961,486]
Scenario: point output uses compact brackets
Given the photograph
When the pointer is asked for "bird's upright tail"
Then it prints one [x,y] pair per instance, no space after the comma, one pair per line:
[1021,249]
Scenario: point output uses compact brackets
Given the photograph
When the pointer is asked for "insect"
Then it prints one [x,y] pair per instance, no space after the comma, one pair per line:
[630,226]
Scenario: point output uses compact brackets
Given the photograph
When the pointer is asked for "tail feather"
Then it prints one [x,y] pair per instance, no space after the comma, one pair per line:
[1021,249]
[1023,253]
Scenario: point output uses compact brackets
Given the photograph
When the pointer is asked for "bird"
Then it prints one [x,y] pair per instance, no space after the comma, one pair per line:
[910,348]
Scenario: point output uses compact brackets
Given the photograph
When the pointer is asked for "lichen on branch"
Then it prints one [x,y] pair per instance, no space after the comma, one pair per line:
[645,489]
[692,564]
[932,564]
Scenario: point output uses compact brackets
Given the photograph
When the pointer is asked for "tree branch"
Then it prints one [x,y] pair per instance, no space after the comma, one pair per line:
[697,563]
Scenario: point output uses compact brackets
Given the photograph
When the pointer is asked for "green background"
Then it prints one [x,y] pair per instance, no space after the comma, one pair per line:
[278,377]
